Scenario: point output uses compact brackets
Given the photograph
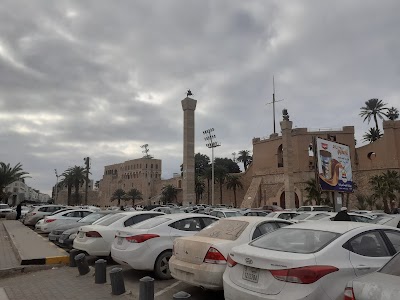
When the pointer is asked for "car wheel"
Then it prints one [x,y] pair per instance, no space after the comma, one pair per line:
[161,267]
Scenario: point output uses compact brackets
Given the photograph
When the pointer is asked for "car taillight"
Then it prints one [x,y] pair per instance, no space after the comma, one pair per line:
[49,220]
[213,256]
[303,275]
[349,294]
[141,238]
[93,234]
[33,214]
[231,262]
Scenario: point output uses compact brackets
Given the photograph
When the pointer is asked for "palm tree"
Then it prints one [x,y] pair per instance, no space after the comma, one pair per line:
[245,158]
[313,191]
[370,201]
[78,175]
[232,183]
[199,188]
[67,181]
[117,195]
[373,108]
[361,201]
[392,113]
[372,135]
[384,188]
[220,173]
[10,174]
[135,194]
[208,176]
[169,193]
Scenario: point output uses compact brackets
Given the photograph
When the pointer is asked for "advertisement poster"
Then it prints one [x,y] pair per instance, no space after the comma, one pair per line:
[334,166]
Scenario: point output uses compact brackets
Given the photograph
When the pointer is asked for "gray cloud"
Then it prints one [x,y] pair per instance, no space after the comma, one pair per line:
[100,78]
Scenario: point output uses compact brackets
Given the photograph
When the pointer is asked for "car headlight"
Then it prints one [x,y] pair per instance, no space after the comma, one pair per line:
[72,236]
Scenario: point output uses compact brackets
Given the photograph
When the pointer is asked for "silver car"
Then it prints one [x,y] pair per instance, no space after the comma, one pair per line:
[39,212]
[383,284]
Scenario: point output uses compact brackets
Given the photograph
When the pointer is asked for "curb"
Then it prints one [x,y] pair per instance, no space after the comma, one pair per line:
[4,273]
[52,260]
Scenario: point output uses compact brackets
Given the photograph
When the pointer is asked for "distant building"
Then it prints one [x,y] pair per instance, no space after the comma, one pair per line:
[19,191]
[61,196]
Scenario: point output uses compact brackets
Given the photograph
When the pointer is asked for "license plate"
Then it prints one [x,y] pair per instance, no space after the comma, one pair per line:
[51,238]
[120,240]
[61,241]
[251,274]
[81,234]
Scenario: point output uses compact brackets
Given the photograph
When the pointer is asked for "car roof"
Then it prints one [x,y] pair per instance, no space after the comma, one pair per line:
[254,219]
[139,212]
[186,215]
[335,226]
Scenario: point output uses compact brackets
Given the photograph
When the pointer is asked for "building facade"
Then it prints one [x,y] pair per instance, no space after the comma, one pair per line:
[19,191]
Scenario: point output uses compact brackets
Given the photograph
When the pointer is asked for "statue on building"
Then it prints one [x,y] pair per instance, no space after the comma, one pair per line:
[189,93]
[285,114]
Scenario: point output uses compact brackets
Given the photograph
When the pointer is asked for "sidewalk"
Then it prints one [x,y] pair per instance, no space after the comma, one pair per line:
[7,257]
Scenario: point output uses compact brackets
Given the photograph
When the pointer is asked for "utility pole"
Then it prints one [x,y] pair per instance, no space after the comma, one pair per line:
[87,159]
[56,190]
[273,102]
[209,136]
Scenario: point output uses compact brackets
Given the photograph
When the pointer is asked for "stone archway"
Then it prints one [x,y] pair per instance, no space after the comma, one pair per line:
[282,202]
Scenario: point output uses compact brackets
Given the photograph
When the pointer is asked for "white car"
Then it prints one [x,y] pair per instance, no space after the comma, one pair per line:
[96,239]
[305,261]
[314,215]
[148,246]
[4,210]
[62,218]
[383,284]
[225,213]
[388,220]
[286,215]
[200,260]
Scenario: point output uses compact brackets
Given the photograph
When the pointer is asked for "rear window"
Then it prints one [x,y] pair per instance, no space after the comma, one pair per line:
[151,223]
[295,240]
[224,229]
[392,267]
[110,220]
[230,214]
[91,218]
[381,220]
[318,217]
[271,214]
[301,217]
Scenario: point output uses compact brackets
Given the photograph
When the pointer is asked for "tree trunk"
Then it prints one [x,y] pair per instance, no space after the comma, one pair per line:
[69,194]
[220,193]
[208,191]
[376,123]
[386,205]
[347,200]
[234,195]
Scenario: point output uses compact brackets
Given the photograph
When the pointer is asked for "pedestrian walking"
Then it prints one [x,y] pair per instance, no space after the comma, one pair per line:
[393,209]
[342,215]
[19,208]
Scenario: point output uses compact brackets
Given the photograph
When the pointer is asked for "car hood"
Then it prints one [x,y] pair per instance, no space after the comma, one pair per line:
[71,225]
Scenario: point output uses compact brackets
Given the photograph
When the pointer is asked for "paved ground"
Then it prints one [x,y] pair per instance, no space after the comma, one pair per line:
[7,256]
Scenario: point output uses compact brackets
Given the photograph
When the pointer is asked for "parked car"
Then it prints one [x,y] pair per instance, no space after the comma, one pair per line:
[304,261]
[315,208]
[225,213]
[4,210]
[286,215]
[383,284]
[63,217]
[388,220]
[316,215]
[255,212]
[204,254]
[39,212]
[271,207]
[96,239]
[148,246]
[39,224]
[167,209]
[56,234]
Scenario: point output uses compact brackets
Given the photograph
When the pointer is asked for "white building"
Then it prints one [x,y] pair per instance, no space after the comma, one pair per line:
[19,191]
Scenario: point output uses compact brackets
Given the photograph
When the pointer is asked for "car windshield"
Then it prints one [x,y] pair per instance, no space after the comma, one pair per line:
[59,211]
[295,240]
[392,267]
[110,220]
[151,223]
[381,220]
[321,208]
[224,229]
[91,218]
[301,217]
[229,214]
[318,217]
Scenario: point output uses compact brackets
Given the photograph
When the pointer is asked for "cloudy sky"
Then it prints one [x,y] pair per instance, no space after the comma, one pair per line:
[101,78]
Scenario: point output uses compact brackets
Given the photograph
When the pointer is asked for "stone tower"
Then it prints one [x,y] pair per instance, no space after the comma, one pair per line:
[188,184]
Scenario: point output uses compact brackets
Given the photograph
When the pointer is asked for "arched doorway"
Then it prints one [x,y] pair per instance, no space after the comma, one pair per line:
[282,202]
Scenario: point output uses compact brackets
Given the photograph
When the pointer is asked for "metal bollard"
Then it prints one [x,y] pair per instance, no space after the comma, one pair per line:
[82,264]
[146,288]
[72,254]
[100,271]
[117,281]
[181,295]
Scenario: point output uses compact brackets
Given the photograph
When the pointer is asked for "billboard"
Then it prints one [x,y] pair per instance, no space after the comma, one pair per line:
[334,166]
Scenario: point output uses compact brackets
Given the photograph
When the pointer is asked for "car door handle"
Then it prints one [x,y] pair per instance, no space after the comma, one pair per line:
[363,267]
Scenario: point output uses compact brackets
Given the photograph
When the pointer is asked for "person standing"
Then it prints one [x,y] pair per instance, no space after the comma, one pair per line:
[393,208]
[19,209]
[342,215]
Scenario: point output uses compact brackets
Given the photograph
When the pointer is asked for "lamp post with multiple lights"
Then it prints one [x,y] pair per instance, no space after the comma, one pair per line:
[209,136]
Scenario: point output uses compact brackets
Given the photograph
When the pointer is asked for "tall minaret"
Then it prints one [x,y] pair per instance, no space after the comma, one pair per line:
[188,184]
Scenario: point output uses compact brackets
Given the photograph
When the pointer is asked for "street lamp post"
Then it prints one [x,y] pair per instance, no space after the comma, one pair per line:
[56,191]
[210,138]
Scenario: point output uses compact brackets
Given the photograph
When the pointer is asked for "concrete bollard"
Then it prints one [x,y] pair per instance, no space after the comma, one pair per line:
[146,288]
[72,254]
[117,281]
[82,264]
[181,295]
[100,271]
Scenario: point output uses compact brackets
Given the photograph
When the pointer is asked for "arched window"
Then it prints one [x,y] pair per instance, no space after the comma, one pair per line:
[280,156]
[180,184]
